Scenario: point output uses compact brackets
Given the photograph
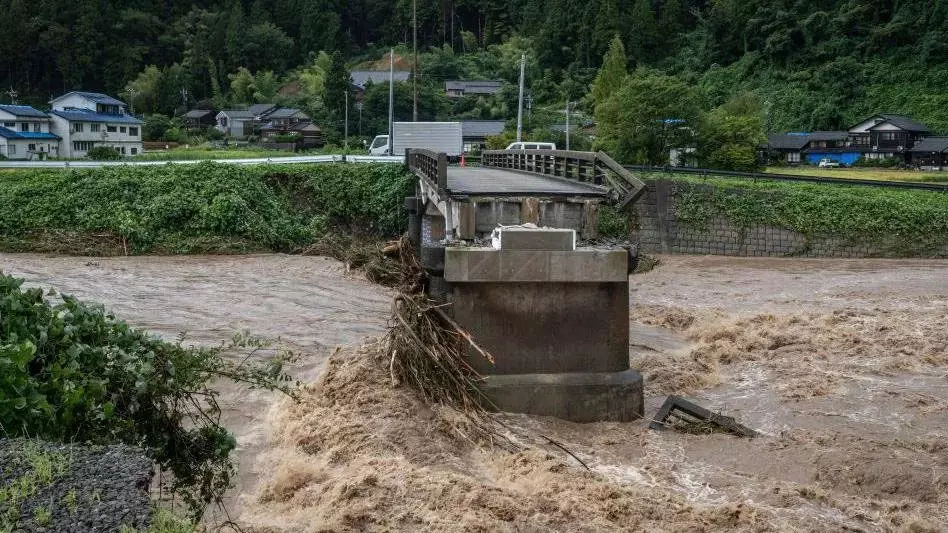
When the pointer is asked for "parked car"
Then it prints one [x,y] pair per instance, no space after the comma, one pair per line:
[531,146]
[828,163]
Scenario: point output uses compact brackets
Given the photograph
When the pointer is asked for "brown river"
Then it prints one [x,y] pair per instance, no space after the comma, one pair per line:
[841,364]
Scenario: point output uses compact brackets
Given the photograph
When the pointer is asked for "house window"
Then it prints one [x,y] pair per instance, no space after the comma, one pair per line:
[94,128]
[11,149]
[134,151]
[77,127]
[32,148]
[888,135]
[25,126]
[110,128]
[793,157]
[123,148]
[9,124]
[82,146]
[122,129]
[133,131]
[37,128]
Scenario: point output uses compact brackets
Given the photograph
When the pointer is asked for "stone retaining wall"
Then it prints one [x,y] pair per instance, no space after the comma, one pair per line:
[656,229]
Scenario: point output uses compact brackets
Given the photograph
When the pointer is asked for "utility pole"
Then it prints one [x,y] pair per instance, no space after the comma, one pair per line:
[13,94]
[132,93]
[414,63]
[567,125]
[391,100]
[523,62]
[345,142]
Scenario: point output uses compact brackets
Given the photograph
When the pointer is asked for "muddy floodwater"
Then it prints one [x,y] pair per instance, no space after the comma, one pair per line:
[842,365]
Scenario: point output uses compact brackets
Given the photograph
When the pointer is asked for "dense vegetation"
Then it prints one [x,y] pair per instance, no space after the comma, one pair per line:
[806,64]
[846,51]
[203,207]
[70,372]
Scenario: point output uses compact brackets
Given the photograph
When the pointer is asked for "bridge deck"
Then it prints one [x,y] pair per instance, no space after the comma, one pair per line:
[495,181]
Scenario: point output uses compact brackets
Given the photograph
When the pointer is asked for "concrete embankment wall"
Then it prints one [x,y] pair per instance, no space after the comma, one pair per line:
[657,227]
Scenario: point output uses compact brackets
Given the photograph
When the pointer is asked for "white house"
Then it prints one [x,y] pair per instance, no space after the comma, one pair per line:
[235,122]
[85,120]
[24,133]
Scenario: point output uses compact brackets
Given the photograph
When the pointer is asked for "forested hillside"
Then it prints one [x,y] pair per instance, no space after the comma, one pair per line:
[811,64]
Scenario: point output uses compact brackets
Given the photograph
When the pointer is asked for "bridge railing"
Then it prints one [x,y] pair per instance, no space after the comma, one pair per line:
[428,164]
[596,168]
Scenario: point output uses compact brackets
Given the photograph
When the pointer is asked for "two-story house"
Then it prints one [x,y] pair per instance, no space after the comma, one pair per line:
[877,137]
[886,135]
[24,133]
[85,120]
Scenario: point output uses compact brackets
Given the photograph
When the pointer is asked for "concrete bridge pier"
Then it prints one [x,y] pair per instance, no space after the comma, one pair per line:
[555,318]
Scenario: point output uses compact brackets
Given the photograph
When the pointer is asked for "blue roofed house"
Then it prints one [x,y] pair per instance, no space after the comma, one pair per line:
[85,120]
[24,133]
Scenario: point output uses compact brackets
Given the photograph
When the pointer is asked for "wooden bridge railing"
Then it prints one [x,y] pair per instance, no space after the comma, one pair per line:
[428,164]
[596,168]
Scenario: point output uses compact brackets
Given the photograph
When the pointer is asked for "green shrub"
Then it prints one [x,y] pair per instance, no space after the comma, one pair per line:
[204,207]
[103,153]
[71,372]
[887,162]
[287,138]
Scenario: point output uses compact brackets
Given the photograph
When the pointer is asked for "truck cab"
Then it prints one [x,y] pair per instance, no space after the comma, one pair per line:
[379,145]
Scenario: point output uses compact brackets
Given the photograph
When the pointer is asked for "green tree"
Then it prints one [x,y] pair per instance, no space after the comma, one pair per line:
[612,74]
[241,86]
[649,114]
[643,33]
[731,134]
[146,88]
[337,84]
[233,45]
[265,47]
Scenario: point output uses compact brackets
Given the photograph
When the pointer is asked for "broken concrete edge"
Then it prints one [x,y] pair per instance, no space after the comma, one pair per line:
[677,403]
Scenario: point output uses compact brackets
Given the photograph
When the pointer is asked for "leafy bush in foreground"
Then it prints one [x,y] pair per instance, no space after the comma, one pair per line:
[206,207]
[71,372]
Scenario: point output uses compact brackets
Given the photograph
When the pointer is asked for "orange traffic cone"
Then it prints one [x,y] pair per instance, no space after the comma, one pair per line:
[463,162]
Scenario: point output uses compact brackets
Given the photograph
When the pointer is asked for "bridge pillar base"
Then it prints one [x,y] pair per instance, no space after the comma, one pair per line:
[578,397]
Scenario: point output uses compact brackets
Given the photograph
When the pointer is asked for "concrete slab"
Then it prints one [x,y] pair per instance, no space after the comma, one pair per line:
[499,182]
[487,265]
[579,397]
[563,240]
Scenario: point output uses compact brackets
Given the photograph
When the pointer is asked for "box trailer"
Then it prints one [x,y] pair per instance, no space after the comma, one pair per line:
[435,136]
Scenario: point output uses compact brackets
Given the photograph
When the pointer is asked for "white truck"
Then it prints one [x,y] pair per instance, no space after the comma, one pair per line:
[435,136]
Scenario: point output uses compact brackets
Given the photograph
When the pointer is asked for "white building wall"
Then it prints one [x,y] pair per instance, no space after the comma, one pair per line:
[26,149]
[132,144]
[864,126]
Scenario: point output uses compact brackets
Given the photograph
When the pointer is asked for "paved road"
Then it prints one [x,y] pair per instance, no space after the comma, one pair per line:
[329,158]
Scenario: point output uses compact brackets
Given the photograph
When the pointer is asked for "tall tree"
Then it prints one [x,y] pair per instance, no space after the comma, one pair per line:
[235,29]
[337,85]
[649,114]
[612,74]
[643,32]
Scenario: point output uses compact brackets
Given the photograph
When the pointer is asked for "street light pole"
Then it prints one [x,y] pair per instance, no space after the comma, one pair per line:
[523,62]
[414,63]
[346,127]
[567,125]
[391,100]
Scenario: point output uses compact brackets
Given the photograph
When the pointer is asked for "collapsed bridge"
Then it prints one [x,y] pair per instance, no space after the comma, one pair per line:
[555,317]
